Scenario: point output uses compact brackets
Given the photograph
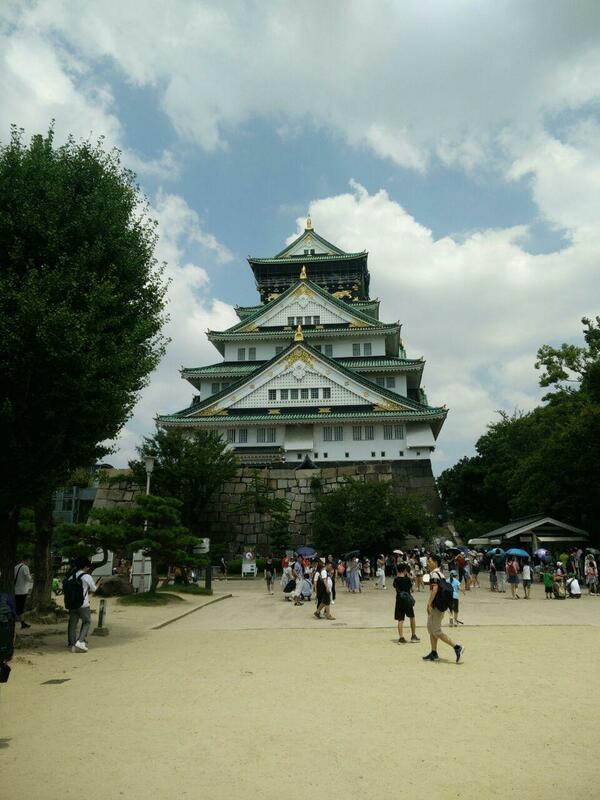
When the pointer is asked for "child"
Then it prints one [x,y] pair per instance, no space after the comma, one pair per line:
[455,583]
[526,578]
[404,604]
[548,578]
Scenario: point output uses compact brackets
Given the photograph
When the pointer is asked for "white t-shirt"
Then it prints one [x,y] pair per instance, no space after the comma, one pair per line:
[23,579]
[526,572]
[573,586]
[88,586]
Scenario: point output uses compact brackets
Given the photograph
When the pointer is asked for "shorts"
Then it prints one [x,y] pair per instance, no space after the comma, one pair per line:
[403,610]
[513,578]
[454,605]
[526,582]
[434,622]
[20,600]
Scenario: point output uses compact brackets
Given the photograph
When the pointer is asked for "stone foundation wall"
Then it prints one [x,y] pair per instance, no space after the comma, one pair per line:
[301,488]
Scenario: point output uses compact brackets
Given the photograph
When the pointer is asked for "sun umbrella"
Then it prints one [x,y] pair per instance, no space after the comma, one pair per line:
[448,543]
[460,548]
[541,552]
[517,551]
[399,552]
[593,550]
[306,551]
[496,550]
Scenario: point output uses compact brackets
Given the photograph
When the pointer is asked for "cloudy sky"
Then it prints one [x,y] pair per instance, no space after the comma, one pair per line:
[457,142]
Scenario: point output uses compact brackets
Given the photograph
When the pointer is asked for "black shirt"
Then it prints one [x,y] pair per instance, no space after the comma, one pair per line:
[402,584]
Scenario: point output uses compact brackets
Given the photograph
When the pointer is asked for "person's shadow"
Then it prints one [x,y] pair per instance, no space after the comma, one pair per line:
[4,743]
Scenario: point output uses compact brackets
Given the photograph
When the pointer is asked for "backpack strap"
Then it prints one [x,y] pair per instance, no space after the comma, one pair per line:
[17,575]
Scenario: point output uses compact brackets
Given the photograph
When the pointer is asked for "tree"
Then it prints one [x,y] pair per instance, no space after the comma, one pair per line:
[188,466]
[258,498]
[106,531]
[81,309]
[369,516]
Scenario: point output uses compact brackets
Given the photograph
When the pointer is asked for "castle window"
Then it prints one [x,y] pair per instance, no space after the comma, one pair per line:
[284,394]
[356,349]
[215,387]
[291,322]
[303,394]
[272,394]
[252,354]
[390,383]
[316,320]
[241,353]
[367,349]
[243,435]
[328,434]
[293,394]
[357,433]
[314,394]
[326,393]
[369,433]
[231,435]
[338,433]
[328,350]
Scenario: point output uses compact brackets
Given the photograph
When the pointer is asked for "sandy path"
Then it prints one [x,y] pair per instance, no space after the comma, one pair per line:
[251,697]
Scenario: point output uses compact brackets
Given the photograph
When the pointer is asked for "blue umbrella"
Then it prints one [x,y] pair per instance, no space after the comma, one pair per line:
[306,551]
[495,550]
[517,551]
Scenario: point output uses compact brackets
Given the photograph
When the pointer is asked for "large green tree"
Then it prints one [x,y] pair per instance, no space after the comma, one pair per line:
[190,466]
[369,516]
[81,309]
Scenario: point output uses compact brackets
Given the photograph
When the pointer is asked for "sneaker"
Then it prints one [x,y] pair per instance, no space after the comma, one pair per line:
[316,614]
[459,650]
[433,656]
[402,640]
[415,639]
[81,646]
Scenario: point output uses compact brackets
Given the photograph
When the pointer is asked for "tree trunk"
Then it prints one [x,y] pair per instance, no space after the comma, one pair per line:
[154,573]
[9,537]
[41,598]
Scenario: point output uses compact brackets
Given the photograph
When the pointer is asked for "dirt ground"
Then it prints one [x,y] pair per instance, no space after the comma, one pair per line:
[251,697]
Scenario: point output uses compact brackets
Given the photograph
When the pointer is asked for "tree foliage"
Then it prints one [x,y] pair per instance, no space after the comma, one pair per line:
[545,461]
[190,466]
[81,309]
[369,516]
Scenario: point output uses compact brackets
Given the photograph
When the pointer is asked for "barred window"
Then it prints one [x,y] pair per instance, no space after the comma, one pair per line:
[307,320]
[390,383]
[261,434]
[357,433]
[356,349]
[326,393]
[369,433]
[328,434]
[231,435]
[215,387]
[298,320]
[367,349]
[252,354]
[314,394]
[316,320]
[293,394]
[398,431]
[387,432]
[284,394]
[304,394]
[241,354]
[271,434]
[272,394]
[243,435]
[291,322]
[328,350]
[380,381]
[338,433]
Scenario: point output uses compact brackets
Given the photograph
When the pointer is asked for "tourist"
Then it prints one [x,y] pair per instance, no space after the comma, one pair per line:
[435,615]
[418,573]
[367,569]
[573,587]
[23,581]
[81,575]
[591,575]
[405,603]
[353,576]
[341,571]
[493,577]
[269,574]
[512,572]
[500,563]
[324,585]
[458,562]
[476,566]
[456,589]
[558,585]
[526,575]
[286,581]
[548,579]
[298,576]
[380,572]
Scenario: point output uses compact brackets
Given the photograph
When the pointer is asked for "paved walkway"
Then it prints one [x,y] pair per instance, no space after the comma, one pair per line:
[252,697]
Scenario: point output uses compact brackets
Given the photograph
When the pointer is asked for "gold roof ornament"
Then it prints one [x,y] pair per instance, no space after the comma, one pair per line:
[303,273]
[299,336]
[309,225]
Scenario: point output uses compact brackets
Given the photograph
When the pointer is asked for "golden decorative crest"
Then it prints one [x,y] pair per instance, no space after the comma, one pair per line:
[358,323]
[272,296]
[274,411]
[309,225]
[387,405]
[299,336]
[299,354]
[303,274]
[342,293]
[300,290]
[249,328]
[213,411]
[324,411]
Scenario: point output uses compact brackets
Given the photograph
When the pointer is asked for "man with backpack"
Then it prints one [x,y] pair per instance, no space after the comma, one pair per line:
[76,591]
[440,601]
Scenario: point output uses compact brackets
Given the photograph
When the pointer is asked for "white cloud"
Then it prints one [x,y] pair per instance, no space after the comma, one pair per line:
[408,80]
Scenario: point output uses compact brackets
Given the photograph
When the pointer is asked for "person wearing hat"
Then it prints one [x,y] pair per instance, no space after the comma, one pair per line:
[77,643]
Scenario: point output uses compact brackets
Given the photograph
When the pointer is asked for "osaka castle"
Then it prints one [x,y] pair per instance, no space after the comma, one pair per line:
[311,375]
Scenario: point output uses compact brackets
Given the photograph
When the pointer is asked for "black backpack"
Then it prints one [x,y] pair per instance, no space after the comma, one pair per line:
[7,629]
[73,591]
[444,595]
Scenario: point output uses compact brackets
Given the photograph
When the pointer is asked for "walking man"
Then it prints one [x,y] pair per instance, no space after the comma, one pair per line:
[77,588]
[438,591]
[23,581]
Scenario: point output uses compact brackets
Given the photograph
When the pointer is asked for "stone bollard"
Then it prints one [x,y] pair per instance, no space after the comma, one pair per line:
[100,630]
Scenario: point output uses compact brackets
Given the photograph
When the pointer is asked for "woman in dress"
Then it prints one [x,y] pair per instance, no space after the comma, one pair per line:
[353,576]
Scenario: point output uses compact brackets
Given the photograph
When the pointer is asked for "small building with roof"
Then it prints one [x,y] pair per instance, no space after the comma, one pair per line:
[533,532]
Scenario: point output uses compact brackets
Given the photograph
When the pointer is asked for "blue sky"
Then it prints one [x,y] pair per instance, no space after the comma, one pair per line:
[458,145]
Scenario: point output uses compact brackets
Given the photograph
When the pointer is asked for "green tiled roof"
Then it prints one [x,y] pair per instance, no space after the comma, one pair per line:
[313,235]
[356,376]
[347,308]
[307,258]
[369,307]
[239,368]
